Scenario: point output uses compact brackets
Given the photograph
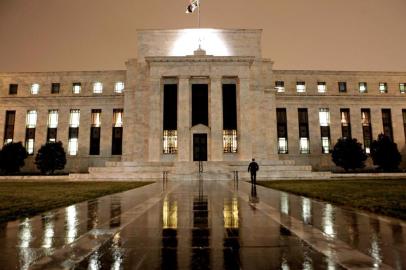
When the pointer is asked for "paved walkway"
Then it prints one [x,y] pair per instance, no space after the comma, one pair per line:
[203,225]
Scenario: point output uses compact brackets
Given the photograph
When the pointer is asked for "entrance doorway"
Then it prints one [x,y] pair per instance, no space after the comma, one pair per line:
[200,147]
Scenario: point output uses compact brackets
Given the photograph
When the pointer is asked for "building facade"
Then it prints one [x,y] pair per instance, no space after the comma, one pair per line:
[200,94]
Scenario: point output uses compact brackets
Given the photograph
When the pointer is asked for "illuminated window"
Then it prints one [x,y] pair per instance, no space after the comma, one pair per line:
[94,147]
[29,146]
[96,118]
[74,118]
[282,130]
[325,143]
[9,126]
[324,116]
[53,118]
[117,138]
[280,86]
[76,88]
[345,123]
[383,87]
[118,118]
[342,87]
[363,87]
[119,87]
[282,146]
[402,88]
[304,146]
[73,146]
[321,87]
[366,128]
[170,142]
[230,141]
[35,89]
[31,119]
[97,88]
[300,87]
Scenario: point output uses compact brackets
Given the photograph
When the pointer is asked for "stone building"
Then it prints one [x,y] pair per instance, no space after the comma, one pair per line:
[200,94]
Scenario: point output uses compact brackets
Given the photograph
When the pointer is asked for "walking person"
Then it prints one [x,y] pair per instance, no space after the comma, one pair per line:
[253,168]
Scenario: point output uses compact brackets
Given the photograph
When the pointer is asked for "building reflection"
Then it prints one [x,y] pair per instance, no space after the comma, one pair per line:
[284,203]
[231,243]
[375,250]
[71,223]
[26,254]
[328,220]
[200,233]
[169,250]
[306,210]
[48,226]
[115,212]
[92,214]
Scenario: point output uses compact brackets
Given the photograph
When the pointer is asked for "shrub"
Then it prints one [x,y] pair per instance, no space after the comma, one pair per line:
[12,157]
[51,157]
[348,154]
[385,153]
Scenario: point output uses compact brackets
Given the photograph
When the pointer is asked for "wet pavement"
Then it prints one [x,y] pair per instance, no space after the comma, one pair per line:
[203,225]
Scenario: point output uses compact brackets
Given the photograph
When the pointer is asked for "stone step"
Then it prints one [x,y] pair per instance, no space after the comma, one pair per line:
[271,168]
[140,169]
[137,164]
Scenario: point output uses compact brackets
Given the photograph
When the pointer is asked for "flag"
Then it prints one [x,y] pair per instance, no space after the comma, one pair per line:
[192,6]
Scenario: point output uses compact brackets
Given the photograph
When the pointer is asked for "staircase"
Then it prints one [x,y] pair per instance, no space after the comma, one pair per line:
[212,170]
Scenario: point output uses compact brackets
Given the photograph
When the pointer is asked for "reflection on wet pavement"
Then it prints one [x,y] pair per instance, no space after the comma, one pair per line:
[203,225]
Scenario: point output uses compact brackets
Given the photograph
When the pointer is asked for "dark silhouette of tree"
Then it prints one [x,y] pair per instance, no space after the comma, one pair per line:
[385,153]
[348,154]
[51,157]
[12,157]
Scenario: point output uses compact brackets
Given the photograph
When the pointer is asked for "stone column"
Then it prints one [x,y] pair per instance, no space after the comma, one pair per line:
[376,121]
[41,128]
[244,120]
[155,121]
[293,130]
[20,125]
[397,126]
[356,125]
[314,130]
[184,121]
[106,131]
[216,119]
[2,125]
[84,132]
[335,125]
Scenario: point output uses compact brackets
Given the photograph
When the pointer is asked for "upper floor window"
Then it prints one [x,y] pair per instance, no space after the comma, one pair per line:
[342,87]
[402,88]
[55,87]
[363,87]
[53,118]
[31,119]
[12,90]
[76,87]
[383,87]
[324,116]
[119,87]
[280,86]
[117,117]
[300,87]
[97,88]
[96,118]
[321,87]
[35,89]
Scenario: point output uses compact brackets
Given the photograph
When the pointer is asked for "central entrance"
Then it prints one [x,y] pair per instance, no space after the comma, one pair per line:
[200,147]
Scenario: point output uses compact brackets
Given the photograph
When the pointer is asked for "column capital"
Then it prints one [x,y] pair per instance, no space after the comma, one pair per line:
[184,77]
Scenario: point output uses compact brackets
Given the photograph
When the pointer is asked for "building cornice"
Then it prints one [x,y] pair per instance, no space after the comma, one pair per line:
[338,73]
[194,59]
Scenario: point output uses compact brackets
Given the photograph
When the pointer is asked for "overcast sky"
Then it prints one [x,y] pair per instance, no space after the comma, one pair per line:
[55,35]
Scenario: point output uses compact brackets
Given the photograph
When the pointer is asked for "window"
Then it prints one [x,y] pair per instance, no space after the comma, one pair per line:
[31,123]
[94,148]
[52,125]
[402,88]
[404,121]
[230,141]
[229,96]
[119,87]
[282,130]
[9,126]
[383,87]
[342,87]
[73,132]
[76,88]
[35,89]
[324,117]
[345,123]
[117,137]
[97,88]
[303,131]
[366,128]
[300,87]
[118,118]
[321,87]
[170,142]
[280,86]
[387,123]
[12,90]
[363,88]
[55,87]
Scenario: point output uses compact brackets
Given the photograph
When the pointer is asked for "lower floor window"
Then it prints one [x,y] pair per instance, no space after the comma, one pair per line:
[170,142]
[325,144]
[73,146]
[29,145]
[230,141]
[282,146]
[304,147]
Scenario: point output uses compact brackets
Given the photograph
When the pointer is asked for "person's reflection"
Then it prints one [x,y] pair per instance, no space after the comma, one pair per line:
[254,199]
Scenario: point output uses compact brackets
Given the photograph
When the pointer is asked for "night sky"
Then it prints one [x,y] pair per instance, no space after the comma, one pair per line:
[55,35]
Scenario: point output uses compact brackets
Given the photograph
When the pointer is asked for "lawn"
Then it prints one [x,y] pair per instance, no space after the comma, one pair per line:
[20,199]
[387,197]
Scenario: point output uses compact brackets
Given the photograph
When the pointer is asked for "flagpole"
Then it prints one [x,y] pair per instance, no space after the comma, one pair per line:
[198,13]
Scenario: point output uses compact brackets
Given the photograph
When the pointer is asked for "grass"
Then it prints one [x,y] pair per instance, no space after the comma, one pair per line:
[387,197]
[22,199]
